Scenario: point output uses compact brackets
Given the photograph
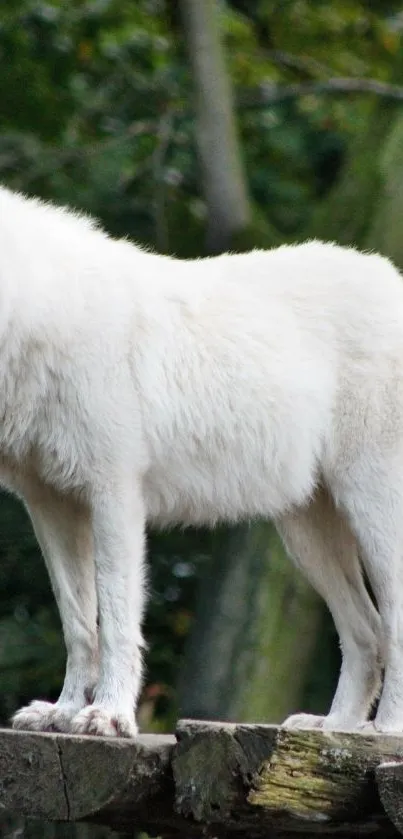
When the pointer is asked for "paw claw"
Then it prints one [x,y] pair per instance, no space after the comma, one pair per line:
[99,722]
[303,721]
[366,728]
[43,716]
[374,727]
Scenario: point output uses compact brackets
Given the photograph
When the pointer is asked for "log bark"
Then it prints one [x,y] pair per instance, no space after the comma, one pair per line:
[390,783]
[266,781]
[212,780]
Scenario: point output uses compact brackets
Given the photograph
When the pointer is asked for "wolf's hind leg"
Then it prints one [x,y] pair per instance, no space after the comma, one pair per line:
[323,546]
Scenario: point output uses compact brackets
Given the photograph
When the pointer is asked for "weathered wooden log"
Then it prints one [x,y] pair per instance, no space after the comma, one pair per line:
[212,780]
[390,784]
[270,781]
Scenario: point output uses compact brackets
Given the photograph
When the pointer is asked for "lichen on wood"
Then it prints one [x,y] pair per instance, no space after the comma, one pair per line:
[321,775]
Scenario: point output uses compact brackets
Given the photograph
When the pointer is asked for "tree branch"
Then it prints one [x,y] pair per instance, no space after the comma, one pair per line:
[302,64]
[270,93]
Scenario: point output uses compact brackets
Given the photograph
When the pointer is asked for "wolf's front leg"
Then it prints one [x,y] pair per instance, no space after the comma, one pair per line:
[118,527]
[63,530]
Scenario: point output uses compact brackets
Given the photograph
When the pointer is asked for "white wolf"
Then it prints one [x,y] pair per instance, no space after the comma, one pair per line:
[136,387]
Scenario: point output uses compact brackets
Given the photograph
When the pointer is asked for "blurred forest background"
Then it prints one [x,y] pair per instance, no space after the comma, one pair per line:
[194,127]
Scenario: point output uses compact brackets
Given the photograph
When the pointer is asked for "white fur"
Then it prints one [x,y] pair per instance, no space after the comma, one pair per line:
[139,388]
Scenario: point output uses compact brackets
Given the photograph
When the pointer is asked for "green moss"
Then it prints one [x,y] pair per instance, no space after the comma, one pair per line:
[320,775]
[292,780]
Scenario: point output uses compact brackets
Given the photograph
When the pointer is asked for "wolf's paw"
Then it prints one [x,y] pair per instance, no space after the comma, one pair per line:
[307,721]
[367,728]
[101,722]
[44,716]
[375,727]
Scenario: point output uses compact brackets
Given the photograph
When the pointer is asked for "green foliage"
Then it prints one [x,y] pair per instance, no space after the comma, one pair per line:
[96,108]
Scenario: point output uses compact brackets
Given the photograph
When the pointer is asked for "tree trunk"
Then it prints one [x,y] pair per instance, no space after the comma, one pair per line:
[254,635]
[223,179]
